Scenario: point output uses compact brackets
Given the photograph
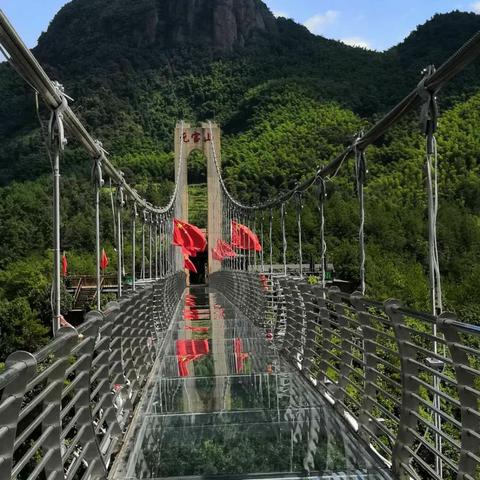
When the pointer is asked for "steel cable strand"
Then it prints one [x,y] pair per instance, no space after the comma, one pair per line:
[56,143]
[322,195]
[98,182]
[284,239]
[360,174]
[299,226]
[432,194]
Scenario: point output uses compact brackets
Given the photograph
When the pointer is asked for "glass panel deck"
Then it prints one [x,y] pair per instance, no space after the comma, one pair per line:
[225,405]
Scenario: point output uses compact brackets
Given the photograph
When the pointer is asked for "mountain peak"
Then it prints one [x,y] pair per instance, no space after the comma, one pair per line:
[82,27]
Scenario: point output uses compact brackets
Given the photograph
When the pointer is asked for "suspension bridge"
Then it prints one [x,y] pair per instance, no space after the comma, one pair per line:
[257,374]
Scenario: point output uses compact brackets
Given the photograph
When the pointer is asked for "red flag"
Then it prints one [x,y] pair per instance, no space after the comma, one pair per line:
[244,239]
[192,347]
[188,351]
[190,314]
[64,265]
[190,302]
[225,249]
[197,329]
[189,265]
[181,238]
[189,252]
[217,255]
[188,236]
[104,261]
[240,356]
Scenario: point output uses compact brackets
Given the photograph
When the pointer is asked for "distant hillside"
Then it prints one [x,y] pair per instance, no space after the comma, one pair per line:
[432,43]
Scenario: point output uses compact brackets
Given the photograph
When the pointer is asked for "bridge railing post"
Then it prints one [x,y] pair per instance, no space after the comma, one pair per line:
[143,336]
[80,436]
[343,352]
[297,312]
[51,444]
[277,308]
[106,374]
[129,345]
[404,443]
[310,296]
[288,340]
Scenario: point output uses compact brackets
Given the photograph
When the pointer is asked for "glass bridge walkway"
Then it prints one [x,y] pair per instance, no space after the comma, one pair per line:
[224,404]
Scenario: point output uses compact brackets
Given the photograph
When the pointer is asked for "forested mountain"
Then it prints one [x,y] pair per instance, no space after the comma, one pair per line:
[135,68]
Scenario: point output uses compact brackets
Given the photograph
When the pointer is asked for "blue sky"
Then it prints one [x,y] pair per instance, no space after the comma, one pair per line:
[375,24]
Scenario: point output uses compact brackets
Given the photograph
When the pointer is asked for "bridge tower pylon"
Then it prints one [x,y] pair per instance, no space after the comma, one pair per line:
[207,139]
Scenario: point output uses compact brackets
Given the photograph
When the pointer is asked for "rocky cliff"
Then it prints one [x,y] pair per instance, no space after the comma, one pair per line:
[219,25]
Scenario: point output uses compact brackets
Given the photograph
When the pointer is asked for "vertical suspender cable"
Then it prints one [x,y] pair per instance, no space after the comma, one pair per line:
[299,226]
[172,264]
[98,182]
[55,145]
[150,271]
[165,243]
[134,246]
[119,239]
[234,219]
[112,203]
[156,247]
[255,251]
[284,239]
[322,194]
[243,221]
[122,239]
[56,240]
[262,256]
[429,123]
[248,221]
[360,174]
[160,246]
[144,219]
[270,233]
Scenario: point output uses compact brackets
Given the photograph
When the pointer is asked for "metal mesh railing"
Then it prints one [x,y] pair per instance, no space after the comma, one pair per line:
[414,397]
[64,409]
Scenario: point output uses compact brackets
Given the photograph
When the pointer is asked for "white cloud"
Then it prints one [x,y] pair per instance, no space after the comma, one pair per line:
[357,42]
[317,23]
[476,7]
[281,14]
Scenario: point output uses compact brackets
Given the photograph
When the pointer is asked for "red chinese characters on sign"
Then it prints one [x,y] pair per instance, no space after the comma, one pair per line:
[196,136]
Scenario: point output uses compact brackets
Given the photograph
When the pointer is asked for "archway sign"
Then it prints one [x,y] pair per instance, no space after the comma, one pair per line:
[207,140]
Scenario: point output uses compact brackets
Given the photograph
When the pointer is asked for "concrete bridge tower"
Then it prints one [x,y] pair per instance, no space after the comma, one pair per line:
[207,139]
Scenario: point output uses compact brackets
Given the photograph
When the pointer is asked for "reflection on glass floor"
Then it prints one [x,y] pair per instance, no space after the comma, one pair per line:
[226,406]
